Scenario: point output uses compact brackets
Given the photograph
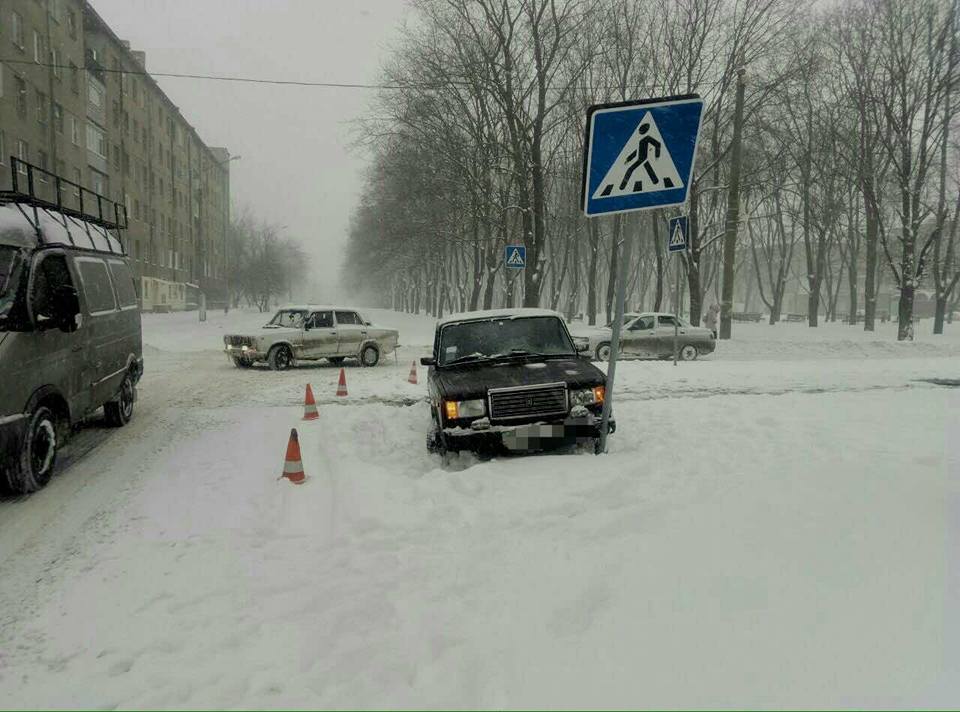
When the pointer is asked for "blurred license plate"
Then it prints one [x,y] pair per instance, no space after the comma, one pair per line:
[528,437]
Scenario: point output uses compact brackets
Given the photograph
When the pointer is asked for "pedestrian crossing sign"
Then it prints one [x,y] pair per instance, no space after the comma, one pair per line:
[639,155]
[677,239]
[515,256]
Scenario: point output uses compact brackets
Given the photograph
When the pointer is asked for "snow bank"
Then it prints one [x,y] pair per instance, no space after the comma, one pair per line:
[730,551]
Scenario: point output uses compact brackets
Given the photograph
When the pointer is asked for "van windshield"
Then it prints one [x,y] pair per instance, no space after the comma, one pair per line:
[11,264]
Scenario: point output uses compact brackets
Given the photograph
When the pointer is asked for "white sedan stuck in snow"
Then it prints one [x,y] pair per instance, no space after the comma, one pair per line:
[310,333]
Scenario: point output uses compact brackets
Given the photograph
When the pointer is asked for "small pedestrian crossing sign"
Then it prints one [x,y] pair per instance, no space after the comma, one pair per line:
[677,240]
[640,154]
[515,256]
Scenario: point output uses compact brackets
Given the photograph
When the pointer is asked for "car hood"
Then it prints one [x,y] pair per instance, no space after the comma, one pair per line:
[474,381]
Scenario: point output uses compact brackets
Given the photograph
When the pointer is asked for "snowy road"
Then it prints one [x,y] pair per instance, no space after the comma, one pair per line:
[774,526]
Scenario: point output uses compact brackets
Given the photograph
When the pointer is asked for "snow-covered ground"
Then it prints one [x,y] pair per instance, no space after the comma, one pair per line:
[775,525]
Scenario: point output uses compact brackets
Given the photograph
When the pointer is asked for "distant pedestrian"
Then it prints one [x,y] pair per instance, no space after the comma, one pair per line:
[710,319]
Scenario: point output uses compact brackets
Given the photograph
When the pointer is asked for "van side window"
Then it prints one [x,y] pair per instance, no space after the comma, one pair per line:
[123,281]
[52,272]
[96,285]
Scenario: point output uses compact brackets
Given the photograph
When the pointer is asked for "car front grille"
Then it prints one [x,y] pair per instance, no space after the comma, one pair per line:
[237,340]
[528,401]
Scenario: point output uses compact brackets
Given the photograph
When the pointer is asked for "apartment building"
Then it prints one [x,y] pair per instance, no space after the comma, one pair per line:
[77,100]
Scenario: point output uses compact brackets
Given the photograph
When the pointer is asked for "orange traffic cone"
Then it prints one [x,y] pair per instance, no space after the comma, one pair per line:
[292,465]
[310,411]
[413,373]
[342,385]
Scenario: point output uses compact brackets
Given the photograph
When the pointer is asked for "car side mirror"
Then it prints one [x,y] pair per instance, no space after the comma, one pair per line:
[428,361]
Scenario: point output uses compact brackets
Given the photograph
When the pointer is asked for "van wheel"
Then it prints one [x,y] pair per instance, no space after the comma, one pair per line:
[370,355]
[38,453]
[119,411]
[242,362]
[280,358]
[603,352]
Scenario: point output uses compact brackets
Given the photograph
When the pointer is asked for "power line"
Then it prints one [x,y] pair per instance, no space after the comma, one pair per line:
[287,82]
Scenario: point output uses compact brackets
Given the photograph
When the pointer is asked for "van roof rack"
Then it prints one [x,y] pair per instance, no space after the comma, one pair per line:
[48,190]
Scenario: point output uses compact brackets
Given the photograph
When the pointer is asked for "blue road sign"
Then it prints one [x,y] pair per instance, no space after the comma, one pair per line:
[515,256]
[639,155]
[677,234]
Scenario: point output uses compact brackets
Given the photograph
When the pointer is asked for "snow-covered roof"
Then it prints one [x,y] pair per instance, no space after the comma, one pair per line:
[498,314]
[318,307]
[16,228]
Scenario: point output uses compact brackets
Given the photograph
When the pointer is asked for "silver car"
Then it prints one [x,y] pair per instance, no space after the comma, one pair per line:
[309,333]
[648,335]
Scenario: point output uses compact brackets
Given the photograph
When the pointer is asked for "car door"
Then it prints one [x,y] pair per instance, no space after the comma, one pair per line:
[50,356]
[639,338]
[666,326]
[351,331]
[105,328]
[319,335]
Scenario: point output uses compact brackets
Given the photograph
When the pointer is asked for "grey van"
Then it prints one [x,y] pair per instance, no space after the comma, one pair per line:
[70,338]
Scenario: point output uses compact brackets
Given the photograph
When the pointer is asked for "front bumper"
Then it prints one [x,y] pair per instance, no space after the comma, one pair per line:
[527,437]
[248,353]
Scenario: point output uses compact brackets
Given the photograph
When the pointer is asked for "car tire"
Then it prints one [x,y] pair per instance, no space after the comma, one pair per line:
[280,358]
[119,412]
[603,351]
[369,356]
[34,465]
[336,360]
[688,352]
[242,362]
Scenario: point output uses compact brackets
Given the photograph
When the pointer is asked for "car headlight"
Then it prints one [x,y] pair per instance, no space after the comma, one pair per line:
[588,396]
[464,409]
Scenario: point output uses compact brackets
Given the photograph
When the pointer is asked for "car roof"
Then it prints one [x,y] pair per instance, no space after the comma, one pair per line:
[487,314]
[317,307]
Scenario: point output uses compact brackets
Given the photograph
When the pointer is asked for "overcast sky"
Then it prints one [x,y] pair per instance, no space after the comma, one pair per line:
[296,167]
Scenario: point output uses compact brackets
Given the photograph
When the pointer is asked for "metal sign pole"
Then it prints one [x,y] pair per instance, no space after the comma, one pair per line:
[615,341]
[676,315]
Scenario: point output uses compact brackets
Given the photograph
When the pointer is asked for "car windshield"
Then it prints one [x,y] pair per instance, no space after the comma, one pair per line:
[10,267]
[503,338]
[291,318]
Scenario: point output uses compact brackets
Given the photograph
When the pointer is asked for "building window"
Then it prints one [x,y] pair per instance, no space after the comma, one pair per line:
[22,153]
[43,161]
[21,86]
[55,61]
[58,117]
[116,114]
[74,77]
[55,10]
[3,148]
[116,156]
[96,140]
[95,94]
[78,179]
[37,47]
[41,108]
[99,182]
[72,23]
[75,130]
[17,30]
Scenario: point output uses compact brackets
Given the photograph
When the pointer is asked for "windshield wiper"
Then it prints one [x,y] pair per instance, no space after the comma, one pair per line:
[469,358]
[523,353]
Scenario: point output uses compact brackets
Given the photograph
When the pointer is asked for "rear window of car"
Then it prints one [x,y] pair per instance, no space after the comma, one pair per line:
[347,317]
[96,285]
[123,281]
